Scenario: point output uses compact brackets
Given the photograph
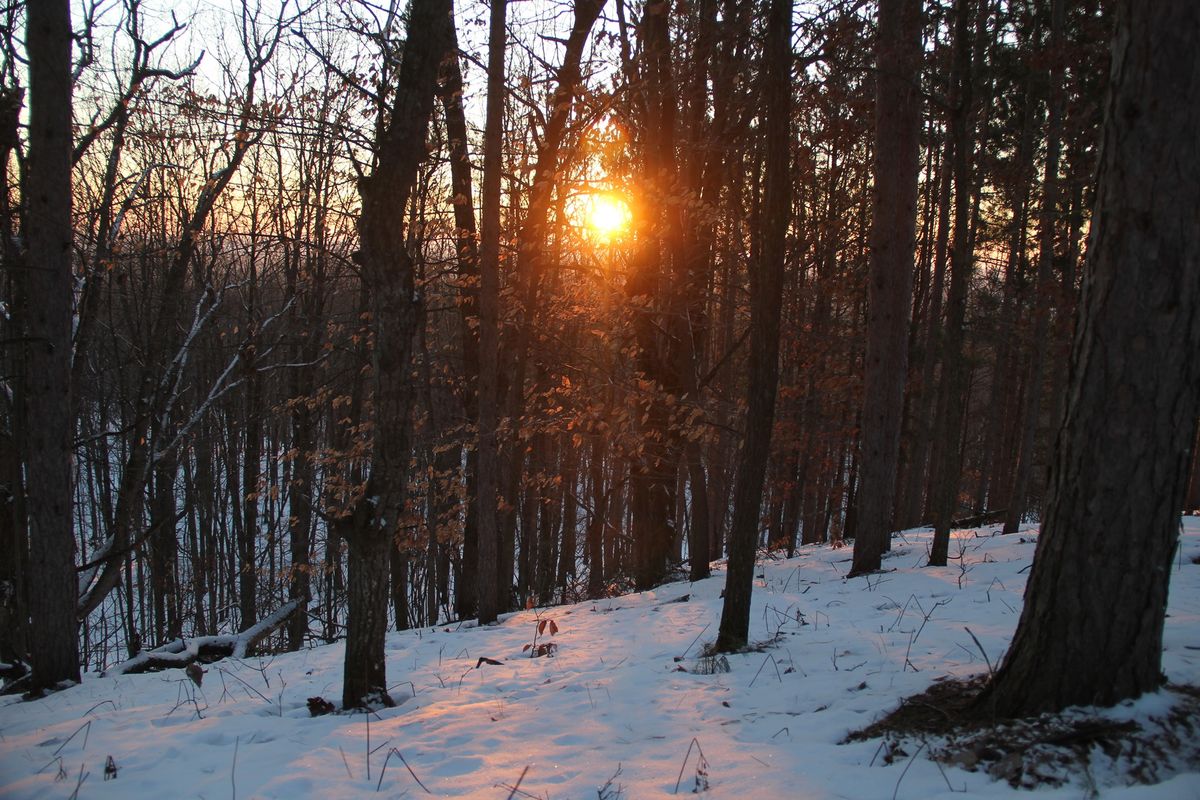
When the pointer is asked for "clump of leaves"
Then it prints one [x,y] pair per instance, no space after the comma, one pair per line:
[542,627]
[319,706]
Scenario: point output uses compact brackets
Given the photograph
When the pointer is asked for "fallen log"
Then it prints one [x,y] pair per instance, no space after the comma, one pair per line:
[205,649]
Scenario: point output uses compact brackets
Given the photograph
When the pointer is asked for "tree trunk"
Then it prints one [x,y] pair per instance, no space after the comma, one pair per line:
[365,680]
[251,467]
[389,274]
[952,387]
[1091,628]
[913,501]
[766,298]
[488,598]
[995,477]
[469,313]
[1046,288]
[53,643]
[893,240]
[1191,501]
[570,516]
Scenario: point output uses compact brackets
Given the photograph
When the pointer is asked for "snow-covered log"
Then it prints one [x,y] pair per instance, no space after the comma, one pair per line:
[181,652]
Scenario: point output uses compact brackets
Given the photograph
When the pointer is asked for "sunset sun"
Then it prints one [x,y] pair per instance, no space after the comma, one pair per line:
[606,216]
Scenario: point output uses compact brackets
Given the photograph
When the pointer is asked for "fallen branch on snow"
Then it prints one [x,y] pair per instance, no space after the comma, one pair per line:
[182,652]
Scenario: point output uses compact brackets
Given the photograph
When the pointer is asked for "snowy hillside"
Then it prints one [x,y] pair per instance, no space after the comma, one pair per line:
[624,707]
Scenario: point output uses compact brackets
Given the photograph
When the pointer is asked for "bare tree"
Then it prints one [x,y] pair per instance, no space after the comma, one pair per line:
[371,527]
[893,238]
[766,299]
[487,595]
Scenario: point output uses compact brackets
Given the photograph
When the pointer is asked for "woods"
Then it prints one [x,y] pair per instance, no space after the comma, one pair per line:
[333,310]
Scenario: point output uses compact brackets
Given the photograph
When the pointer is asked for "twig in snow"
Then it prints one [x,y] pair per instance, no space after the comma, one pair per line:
[233,769]
[403,760]
[900,617]
[907,653]
[693,644]
[87,727]
[987,660]
[879,578]
[266,699]
[517,787]
[83,776]
[796,573]
[946,777]
[905,772]
[102,702]
[936,606]
[701,765]
[61,773]
[347,763]
[882,742]
[608,791]
[760,669]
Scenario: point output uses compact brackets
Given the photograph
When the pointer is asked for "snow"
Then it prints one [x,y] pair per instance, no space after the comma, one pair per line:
[842,653]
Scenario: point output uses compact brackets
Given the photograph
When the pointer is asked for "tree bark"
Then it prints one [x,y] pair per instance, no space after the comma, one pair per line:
[1046,288]
[1091,628]
[952,387]
[488,599]
[389,273]
[766,298]
[53,643]
[469,313]
[893,240]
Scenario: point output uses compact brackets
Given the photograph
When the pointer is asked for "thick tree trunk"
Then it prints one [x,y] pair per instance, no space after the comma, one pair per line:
[14,541]
[1091,628]
[893,240]
[365,680]
[389,274]
[766,298]
[54,651]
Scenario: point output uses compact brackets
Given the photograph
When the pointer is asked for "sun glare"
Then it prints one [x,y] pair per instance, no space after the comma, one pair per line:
[607,216]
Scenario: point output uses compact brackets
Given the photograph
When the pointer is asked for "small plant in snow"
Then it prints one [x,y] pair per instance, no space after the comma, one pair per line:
[701,777]
[541,628]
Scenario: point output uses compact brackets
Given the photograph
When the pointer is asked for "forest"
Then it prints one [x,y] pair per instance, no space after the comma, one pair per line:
[330,318]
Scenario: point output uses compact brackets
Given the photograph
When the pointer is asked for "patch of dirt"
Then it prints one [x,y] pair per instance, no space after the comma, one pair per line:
[943,708]
[1092,750]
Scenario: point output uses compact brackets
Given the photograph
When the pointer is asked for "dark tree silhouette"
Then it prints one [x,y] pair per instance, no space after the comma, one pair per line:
[488,599]
[389,272]
[766,301]
[893,236]
[1091,629]
[46,309]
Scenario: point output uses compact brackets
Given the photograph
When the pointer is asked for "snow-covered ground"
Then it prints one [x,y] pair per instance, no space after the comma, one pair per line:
[624,695]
